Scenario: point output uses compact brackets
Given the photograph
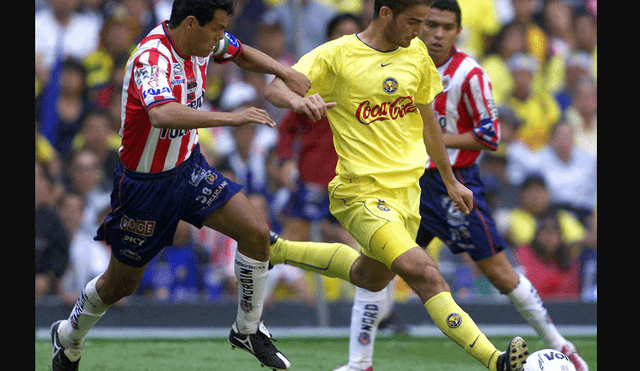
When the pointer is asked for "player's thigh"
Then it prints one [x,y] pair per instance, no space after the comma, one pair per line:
[238,219]
[370,273]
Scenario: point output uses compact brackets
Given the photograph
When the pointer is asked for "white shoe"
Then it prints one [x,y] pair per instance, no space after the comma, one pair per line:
[572,353]
[349,368]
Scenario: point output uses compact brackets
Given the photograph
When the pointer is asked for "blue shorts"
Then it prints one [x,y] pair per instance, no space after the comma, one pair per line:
[475,234]
[146,207]
[309,202]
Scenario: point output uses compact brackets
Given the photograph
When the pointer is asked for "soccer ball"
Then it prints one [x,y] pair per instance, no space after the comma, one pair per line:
[548,360]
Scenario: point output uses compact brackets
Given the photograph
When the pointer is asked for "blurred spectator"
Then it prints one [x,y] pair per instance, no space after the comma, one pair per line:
[218,275]
[51,239]
[536,109]
[62,115]
[87,258]
[585,29]
[537,40]
[549,263]
[48,156]
[117,40]
[244,22]
[304,22]
[174,275]
[479,24]
[97,135]
[511,39]
[143,11]
[366,15]
[569,172]
[513,150]
[557,23]
[576,66]
[62,31]
[583,115]
[85,178]
[519,226]
[271,39]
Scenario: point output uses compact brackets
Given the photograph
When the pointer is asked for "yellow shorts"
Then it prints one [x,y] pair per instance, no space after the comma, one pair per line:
[363,207]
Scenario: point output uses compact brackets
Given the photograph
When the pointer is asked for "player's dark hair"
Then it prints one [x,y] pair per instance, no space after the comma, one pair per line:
[450,5]
[203,10]
[397,6]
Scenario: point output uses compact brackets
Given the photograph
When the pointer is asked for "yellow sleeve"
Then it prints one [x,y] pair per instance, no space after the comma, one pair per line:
[318,65]
[430,84]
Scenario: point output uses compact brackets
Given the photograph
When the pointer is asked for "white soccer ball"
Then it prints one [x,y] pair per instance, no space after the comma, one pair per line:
[548,360]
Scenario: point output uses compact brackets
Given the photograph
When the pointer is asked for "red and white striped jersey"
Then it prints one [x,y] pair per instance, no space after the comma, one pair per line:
[466,105]
[157,73]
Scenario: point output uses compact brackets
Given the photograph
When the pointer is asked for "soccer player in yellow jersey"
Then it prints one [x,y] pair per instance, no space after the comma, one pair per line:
[376,88]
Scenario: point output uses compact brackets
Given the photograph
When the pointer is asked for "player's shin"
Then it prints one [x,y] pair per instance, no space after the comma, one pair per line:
[87,311]
[459,327]
[327,259]
[252,280]
[369,308]
[526,300]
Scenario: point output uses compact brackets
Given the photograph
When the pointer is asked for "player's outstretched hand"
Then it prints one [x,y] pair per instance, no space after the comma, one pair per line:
[253,115]
[313,106]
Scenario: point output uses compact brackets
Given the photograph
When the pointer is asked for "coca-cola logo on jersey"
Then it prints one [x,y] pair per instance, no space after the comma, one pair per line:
[367,114]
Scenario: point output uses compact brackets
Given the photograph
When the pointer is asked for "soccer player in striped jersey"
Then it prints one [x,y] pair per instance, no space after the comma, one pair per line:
[469,121]
[376,88]
[163,178]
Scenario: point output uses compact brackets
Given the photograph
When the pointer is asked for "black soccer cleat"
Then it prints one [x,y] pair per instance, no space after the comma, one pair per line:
[515,357]
[259,344]
[63,359]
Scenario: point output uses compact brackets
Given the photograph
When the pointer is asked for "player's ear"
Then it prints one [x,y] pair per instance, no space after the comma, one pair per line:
[386,14]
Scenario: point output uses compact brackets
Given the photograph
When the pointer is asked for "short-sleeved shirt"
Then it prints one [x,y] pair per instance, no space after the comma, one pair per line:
[158,73]
[377,128]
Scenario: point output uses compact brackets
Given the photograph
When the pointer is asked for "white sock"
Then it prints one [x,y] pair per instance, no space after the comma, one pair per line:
[528,303]
[369,308]
[252,279]
[87,311]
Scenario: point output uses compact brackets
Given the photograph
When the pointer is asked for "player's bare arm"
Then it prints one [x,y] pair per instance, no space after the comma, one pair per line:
[173,115]
[254,60]
[461,195]
[280,95]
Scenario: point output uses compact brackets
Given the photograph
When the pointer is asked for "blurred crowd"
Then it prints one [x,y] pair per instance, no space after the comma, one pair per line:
[541,56]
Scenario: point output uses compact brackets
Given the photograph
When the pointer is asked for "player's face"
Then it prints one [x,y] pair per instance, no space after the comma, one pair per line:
[407,25]
[206,37]
[440,32]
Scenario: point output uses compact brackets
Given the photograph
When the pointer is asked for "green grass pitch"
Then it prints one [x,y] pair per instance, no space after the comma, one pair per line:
[397,353]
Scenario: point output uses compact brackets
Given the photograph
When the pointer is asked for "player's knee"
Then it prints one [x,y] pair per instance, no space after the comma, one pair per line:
[255,243]
[423,277]
[370,279]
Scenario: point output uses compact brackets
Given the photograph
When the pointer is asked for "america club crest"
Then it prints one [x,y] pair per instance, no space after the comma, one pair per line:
[454,320]
[390,85]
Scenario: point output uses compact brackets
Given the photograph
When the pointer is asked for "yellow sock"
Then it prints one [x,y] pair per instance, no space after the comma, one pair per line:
[327,259]
[459,327]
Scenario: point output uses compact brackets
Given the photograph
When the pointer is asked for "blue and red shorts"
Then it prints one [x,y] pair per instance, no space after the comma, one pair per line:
[475,234]
[146,207]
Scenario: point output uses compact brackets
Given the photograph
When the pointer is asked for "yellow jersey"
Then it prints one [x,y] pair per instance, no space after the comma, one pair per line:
[377,128]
